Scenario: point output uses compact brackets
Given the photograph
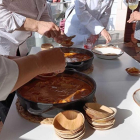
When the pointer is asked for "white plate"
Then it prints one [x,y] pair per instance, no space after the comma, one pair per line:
[136,97]
[107,52]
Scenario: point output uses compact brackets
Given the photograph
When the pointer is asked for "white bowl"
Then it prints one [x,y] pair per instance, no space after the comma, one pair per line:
[107,52]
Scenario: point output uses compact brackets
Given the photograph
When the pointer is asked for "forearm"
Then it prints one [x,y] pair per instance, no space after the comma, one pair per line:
[17,72]
[29,25]
[48,29]
[28,69]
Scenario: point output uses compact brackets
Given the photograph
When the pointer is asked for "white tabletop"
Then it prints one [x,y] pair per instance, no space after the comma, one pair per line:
[109,70]
[114,88]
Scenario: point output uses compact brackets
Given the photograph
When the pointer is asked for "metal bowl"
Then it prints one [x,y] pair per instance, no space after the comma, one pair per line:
[105,51]
[79,66]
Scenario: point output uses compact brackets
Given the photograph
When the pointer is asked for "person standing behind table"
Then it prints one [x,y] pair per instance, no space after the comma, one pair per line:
[13,76]
[18,18]
[16,72]
[135,16]
[88,19]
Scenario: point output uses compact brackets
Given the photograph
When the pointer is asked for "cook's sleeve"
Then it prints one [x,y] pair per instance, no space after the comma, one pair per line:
[91,23]
[47,13]
[124,1]
[8,76]
[105,16]
[10,21]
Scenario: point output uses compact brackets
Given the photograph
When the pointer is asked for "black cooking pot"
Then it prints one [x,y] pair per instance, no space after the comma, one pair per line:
[80,66]
[50,110]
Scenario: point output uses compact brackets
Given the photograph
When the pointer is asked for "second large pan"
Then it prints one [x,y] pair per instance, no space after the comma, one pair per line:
[79,66]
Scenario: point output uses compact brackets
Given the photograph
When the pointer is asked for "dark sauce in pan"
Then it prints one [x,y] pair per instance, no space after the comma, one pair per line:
[76,57]
[55,90]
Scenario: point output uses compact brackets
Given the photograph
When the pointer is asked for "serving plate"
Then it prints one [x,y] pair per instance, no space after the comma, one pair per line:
[105,51]
[133,71]
[136,97]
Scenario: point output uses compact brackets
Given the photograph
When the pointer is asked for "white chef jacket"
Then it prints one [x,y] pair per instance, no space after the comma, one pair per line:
[88,17]
[8,76]
[12,16]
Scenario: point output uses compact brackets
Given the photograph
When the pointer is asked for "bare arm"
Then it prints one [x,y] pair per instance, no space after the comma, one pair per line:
[91,23]
[135,16]
[28,69]
[10,21]
[48,29]
[43,62]
[17,72]
[104,20]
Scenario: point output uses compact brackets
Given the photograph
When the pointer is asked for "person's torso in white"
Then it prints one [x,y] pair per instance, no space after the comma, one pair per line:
[8,76]
[74,27]
[9,42]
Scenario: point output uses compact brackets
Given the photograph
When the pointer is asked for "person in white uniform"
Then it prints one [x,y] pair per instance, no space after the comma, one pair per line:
[18,18]
[16,72]
[135,16]
[88,18]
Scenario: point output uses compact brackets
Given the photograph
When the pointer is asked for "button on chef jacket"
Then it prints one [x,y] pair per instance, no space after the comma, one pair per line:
[13,14]
[88,17]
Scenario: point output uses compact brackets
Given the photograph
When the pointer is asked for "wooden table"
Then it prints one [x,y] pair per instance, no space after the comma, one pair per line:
[114,88]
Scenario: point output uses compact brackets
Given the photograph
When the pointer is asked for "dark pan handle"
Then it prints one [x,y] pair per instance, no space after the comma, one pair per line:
[39,112]
[76,66]
[72,69]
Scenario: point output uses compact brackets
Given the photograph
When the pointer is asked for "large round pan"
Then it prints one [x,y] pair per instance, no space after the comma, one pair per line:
[80,66]
[50,110]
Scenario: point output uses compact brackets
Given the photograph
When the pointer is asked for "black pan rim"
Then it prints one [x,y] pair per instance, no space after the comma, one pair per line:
[94,89]
[92,57]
